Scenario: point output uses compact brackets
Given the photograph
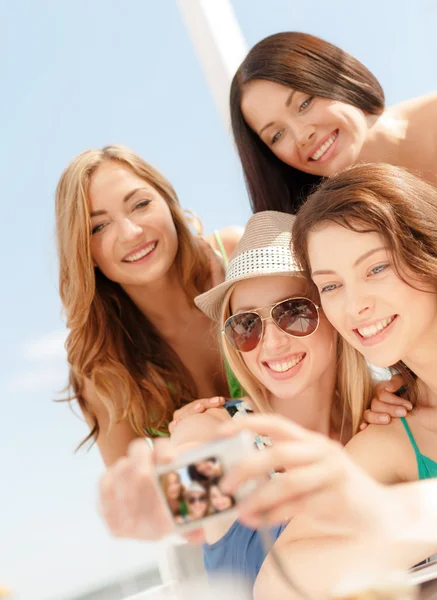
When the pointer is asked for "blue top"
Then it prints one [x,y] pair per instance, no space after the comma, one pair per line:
[239,554]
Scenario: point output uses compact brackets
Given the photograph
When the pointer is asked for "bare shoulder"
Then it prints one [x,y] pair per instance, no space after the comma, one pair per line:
[383,451]
[421,107]
[230,236]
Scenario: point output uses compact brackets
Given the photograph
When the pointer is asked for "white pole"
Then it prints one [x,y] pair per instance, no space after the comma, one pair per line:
[219,44]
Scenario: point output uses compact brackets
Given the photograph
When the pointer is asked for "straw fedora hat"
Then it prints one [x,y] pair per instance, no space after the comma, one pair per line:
[264,250]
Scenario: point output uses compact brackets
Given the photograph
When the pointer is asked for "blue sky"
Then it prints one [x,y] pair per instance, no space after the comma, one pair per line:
[82,74]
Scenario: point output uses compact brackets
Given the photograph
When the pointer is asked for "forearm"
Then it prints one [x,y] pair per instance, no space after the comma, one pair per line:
[418,503]
[321,567]
[405,535]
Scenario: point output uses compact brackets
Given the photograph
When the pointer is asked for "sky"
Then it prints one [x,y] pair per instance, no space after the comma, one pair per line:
[84,74]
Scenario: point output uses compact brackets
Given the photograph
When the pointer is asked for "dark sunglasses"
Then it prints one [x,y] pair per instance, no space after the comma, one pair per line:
[298,317]
[195,499]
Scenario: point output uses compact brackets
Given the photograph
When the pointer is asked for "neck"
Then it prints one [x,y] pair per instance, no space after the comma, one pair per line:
[311,409]
[422,361]
[164,303]
[384,139]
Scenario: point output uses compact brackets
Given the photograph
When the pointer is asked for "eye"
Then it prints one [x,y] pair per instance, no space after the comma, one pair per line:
[330,287]
[97,228]
[276,137]
[142,204]
[306,103]
[379,269]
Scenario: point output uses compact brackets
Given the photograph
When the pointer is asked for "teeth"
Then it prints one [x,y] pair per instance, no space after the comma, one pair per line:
[285,366]
[367,332]
[324,147]
[147,250]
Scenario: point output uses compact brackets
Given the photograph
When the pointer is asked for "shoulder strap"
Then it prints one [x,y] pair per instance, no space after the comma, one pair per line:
[410,435]
[221,247]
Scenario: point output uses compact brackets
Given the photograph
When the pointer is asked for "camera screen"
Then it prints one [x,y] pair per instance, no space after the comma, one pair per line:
[193,492]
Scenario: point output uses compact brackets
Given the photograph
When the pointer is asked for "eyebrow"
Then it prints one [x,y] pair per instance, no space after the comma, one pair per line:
[128,196]
[287,104]
[356,263]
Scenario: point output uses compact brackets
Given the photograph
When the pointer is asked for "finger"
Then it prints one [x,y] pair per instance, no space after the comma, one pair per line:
[376,418]
[288,455]
[378,406]
[163,451]
[276,427]
[395,383]
[275,516]
[172,425]
[290,487]
[390,398]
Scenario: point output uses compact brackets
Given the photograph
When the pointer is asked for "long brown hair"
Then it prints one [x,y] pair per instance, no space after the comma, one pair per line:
[384,199]
[135,373]
[354,385]
[307,64]
[164,480]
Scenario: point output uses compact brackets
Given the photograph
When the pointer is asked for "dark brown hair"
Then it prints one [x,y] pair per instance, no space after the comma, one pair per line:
[384,199]
[309,65]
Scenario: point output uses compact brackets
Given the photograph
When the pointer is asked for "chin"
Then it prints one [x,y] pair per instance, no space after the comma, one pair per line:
[383,362]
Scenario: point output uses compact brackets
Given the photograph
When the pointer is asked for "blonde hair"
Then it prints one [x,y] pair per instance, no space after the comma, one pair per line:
[354,384]
[136,374]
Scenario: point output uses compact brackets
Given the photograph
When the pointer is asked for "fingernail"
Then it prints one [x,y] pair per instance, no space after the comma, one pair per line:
[383,419]
[197,406]
[215,400]
[408,405]
[400,412]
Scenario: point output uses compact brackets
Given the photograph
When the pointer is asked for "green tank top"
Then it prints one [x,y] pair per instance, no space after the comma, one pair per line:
[427,468]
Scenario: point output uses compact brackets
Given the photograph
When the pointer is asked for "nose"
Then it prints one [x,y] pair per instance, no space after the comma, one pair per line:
[303,133]
[128,230]
[273,339]
[358,304]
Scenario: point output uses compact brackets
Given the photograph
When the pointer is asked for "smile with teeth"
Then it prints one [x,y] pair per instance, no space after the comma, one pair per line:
[283,367]
[141,254]
[324,147]
[367,332]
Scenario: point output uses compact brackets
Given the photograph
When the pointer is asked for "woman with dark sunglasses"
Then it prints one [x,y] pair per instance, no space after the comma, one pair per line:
[290,361]
[197,501]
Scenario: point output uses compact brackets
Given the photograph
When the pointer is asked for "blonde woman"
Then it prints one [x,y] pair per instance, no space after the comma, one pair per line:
[292,363]
[129,269]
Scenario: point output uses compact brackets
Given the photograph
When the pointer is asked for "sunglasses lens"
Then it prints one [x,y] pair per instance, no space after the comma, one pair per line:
[298,317]
[195,499]
[243,331]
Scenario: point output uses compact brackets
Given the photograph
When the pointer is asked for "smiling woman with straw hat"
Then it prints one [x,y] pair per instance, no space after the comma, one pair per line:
[289,360]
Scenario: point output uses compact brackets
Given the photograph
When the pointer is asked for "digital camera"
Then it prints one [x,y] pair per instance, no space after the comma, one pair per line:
[190,485]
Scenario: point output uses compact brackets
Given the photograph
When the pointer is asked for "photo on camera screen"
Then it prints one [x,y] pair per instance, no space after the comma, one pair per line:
[193,491]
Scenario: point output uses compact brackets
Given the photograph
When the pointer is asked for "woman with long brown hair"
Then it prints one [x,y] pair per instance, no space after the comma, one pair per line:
[303,109]
[137,346]
[367,239]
